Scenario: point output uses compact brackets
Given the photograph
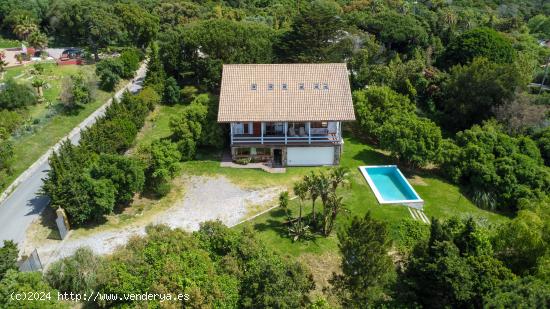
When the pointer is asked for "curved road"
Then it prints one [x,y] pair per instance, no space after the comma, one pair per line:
[26,203]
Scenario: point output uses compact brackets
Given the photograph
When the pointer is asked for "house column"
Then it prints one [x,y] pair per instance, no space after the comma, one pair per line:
[262,135]
[231,132]
[286,131]
[308,132]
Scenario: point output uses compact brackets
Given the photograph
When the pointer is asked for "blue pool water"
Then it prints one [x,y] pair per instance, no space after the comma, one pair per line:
[390,183]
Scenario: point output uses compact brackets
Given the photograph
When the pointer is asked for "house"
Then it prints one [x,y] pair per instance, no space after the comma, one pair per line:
[286,114]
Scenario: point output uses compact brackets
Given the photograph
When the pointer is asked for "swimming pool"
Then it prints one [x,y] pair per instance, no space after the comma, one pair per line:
[390,186]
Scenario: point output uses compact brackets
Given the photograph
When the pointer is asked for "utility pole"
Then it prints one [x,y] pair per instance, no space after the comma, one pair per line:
[545,75]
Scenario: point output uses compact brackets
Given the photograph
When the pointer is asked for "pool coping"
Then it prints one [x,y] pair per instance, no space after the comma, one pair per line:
[418,203]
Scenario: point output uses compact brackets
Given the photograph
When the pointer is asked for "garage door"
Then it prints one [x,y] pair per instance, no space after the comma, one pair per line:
[310,156]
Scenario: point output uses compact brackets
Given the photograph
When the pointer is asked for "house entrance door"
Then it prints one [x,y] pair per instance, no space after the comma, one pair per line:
[277,157]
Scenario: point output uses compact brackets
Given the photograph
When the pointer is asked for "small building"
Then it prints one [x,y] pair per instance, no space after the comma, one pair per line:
[286,114]
[70,56]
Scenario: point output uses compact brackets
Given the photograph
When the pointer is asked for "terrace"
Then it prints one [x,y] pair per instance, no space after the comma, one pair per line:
[284,133]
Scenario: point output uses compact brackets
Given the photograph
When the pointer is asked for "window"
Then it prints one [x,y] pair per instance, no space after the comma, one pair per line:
[242,151]
[246,128]
[270,86]
[325,86]
[316,86]
[301,86]
[319,124]
[263,151]
[285,86]
[253,87]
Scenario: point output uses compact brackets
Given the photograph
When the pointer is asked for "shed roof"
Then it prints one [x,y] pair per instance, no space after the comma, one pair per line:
[285,92]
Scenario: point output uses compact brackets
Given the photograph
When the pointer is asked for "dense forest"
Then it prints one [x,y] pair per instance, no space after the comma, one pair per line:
[454,88]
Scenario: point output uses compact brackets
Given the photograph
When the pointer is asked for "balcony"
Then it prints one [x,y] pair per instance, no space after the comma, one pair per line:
[285,133]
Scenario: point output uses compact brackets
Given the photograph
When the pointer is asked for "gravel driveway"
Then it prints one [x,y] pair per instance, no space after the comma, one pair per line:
[206,199]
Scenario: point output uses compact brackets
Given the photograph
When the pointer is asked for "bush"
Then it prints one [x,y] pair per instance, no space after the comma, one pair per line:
[480,42]
[9,121]
[76,92]
[389,118]
[109,136]
[188,94]
[243,161]
[499,170]
[108,80]
[16,96]
[6,154]
[77,273]
[411,139]
[90,179]
[171,93]
[8,257]
[377,104]
[161,159]
[125,173]
[130,62]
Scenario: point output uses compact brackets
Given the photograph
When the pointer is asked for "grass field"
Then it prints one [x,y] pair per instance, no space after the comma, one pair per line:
[320,254]
[157,124]
[46,124]
[442,200]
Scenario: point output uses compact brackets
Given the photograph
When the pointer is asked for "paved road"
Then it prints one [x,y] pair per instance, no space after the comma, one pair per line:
[25,203]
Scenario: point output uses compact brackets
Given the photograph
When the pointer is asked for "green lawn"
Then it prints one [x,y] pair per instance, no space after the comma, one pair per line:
[157,124]
[48,126]
[442,200]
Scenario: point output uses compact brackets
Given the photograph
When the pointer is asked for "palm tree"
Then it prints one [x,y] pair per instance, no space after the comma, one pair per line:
[3,65]
[335,205]
[38,40]
[324,186]
[449,18]
[312,184]
[38,84]
[24,29]
[283,203]
[339,176]
[300,189]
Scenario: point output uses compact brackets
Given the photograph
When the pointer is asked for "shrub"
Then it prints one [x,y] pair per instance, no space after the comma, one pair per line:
[108,80]
[77,273]
[413,140]
[130,62]
[243,161]
[377,104]
[498,169]
[171,93]
[109,136]
[480,42]
[6,154]
[125,173]
[15,96]
[76,92]
[8,257]
[188,94]
[9,121]
[161,159]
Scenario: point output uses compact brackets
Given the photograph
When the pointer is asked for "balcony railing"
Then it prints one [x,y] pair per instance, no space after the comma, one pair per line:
[312,135]
[244,139]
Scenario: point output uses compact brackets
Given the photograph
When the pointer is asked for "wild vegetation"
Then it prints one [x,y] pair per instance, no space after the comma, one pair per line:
[441,87]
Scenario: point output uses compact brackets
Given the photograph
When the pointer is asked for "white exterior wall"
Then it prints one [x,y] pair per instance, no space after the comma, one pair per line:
[309,156]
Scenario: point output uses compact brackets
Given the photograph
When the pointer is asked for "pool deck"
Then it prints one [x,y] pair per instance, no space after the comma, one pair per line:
[416,203]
